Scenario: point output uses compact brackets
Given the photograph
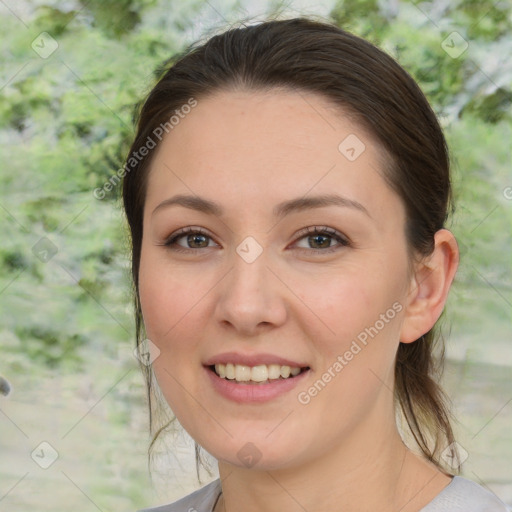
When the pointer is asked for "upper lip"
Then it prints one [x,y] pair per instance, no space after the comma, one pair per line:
[252,360]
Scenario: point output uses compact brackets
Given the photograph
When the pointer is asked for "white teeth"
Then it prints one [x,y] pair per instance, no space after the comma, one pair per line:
[230,371]
[242,373]
[274,371]
[260,373]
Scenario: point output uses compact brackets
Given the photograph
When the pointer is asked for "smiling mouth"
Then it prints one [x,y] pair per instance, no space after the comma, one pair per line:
[260,374]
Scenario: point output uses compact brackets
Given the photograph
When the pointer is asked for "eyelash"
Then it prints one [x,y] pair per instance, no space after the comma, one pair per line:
[171,244]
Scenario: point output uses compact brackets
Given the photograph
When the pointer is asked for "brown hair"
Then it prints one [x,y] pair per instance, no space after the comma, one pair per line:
[308,55]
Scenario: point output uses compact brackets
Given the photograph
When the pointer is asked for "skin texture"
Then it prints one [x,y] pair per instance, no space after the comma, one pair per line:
[248,151]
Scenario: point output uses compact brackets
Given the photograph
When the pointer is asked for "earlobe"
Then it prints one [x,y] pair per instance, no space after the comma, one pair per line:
[429,288]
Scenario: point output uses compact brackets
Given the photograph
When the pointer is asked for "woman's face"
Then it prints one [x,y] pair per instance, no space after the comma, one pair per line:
[257,285]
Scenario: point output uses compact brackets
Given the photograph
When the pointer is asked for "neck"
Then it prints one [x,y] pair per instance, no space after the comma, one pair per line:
[368,470]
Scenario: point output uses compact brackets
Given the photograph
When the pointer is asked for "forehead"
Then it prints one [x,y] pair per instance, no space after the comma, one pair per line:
[268,146]
[273,120]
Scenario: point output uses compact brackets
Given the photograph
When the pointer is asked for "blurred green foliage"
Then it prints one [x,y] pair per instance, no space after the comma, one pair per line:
[66,125]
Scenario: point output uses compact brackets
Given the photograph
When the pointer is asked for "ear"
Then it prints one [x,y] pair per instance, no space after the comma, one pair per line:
[429,287]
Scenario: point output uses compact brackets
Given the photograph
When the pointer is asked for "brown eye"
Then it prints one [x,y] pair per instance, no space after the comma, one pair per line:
[196,241]
[321,240]
[189,239]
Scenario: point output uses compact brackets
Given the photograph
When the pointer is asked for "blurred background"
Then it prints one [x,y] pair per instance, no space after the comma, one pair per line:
[74,428]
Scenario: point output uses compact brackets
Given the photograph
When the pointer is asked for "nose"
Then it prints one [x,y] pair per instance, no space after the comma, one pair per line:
[251,299]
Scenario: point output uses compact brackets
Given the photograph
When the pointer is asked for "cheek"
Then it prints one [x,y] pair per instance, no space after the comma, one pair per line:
[356,346]
[347,303]
[170,302]
[171,308]
[168,293]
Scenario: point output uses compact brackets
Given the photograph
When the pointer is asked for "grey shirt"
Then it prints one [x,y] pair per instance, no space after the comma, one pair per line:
[461,495]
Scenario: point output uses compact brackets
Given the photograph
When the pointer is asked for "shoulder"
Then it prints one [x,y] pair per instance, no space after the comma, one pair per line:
[202,500]
[463,495]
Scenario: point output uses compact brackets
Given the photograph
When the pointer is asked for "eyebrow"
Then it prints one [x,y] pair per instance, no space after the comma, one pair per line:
[280,210]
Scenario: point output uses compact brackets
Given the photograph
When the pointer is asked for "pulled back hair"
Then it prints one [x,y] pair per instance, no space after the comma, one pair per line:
[314,56]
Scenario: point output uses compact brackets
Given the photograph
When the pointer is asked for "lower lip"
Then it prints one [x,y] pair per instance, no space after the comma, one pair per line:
[253,393]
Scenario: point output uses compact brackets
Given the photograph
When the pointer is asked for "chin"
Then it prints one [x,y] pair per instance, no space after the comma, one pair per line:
[256,453]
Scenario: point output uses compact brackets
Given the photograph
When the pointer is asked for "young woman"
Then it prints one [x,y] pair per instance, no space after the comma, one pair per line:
[286,192]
